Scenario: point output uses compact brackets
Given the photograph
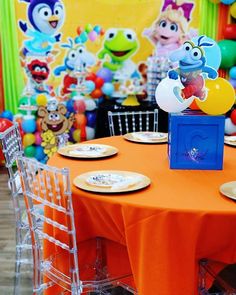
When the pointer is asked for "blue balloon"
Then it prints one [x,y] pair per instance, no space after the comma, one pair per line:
[212,53]
[29,125]
[232,73]
[105,74]
[90,86]
[108,89]
[83,37]
[227,2]
[70,105]
[39,153]
[7,115]
[97,29]
[91,119]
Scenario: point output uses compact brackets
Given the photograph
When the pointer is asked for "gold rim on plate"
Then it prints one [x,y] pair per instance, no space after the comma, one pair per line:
[88,151]
[230,140]
[228,189]
[151,137]
[141,181]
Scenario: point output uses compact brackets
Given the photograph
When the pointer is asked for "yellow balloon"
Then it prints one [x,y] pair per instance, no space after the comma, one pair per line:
[233,10]
[28,139]
[220,97]
[41,100]
[76,135]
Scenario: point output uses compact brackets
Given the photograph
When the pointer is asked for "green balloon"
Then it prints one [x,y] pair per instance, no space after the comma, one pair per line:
[30,151]
[25,101]
[228,53]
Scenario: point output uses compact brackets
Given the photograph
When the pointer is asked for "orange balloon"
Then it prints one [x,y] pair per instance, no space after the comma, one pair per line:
[80,121]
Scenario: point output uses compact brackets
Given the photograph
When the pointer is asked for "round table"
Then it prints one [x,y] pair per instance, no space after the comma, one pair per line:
[167,227]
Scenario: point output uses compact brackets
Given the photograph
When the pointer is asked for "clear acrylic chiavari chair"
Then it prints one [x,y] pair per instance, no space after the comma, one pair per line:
[121,123]
[51,187]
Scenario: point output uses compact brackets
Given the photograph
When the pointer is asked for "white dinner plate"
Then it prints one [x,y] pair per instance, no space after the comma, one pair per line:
[228,189]
[147,137]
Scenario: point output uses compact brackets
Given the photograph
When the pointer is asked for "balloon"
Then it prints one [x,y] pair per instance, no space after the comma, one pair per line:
[90,86]
[83,37]
[97,29]
[166,98]
[88,28]
[96,93]
[90,104]
[212,53]
[30,151]
[99,82]
[227,2]
[232,73]
[91,77]
[38,138]
[39,124]
[39,153]
[105,74]
[7,115]
[102,32]
[229,31]
[41,100]
[80,120]
[5,124]
[91,119]
[79,106]
[233,116]
[233,82]
[108,89]
[28,125]
[76,135]
[79,30]
[230,128]
[28,139]
[70,105]
[90,133]
[92,36]
[228,53]
[220,98]
[233,10]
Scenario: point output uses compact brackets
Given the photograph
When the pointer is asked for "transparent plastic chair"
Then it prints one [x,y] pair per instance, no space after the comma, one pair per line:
[121,123]
[51,187]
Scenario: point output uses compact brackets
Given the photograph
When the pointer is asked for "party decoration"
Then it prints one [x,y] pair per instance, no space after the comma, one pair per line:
[105,74]
[46,17]
[7,115]
[41,100]
[228,52]
[232,10]
[119,46]
[169,31]
[49,143]
[30,151]
[227,2]
[28,125]
[220,97]
[28,139]
[192,63]
[23,104]
[88,33]
[229,31]
[5,124]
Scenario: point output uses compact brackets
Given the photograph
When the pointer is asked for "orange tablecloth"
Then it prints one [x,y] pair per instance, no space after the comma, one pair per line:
[166,227]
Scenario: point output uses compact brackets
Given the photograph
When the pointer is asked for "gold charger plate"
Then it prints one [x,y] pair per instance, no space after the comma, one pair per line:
[228,189]
[88,151]
[111,181]
[147,137]
[230,140]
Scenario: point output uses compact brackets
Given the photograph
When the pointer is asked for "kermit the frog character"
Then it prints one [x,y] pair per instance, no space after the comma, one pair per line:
[119,46]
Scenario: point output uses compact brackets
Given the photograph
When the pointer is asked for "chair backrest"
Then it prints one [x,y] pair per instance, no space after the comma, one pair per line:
[11,144]
[51,187]
[132,121]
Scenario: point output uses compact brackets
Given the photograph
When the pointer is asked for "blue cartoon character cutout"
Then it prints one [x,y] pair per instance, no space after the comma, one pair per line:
[192,66]
[46,18]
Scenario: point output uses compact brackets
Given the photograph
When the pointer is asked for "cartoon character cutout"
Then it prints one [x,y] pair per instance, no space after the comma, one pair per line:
[55,125]
[77,60]
[119,46]
[169,31]
[192,64]
[46,17]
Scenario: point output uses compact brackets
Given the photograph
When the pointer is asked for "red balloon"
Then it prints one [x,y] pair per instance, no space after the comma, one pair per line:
[233,117]
[229,31]
[96,93]
[79,30]
[91,77]
[99,82]
[102,32]
[5,124]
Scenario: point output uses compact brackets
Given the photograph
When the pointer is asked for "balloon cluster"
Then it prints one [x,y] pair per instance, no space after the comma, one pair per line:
[88,33]
[5,123]
[99,84]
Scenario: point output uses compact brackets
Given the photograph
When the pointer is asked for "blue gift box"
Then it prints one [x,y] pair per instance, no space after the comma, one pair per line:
[196,141]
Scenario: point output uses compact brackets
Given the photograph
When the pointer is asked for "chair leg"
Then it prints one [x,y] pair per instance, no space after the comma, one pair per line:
[17,279]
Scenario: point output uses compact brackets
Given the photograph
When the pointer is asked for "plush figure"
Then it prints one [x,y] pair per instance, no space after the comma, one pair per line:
[46,18]
[119,46]
[55,121]
[49,143]
[192,62]
[169,31]
[77,59]
[38,72]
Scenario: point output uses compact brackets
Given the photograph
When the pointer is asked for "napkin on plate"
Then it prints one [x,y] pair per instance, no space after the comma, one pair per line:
[230,138]
[87,152]
[127,182]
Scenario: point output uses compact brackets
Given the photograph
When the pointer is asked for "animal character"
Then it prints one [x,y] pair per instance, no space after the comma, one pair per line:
[38,72]
[54,120]
[46,18]
[169,31]
[49,143]
[119,46]
[77,59]
[192,63]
